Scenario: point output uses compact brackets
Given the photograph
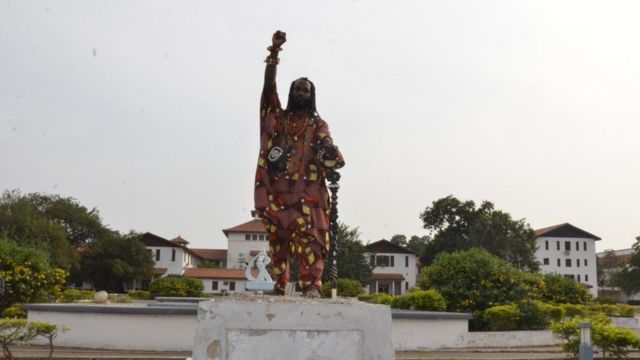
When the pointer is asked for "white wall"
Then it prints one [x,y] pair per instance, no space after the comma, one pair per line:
[240,249]
[588,270]
[173,267]
[207,283]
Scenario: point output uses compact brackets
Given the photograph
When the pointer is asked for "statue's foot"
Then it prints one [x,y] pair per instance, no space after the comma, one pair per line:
[311,293]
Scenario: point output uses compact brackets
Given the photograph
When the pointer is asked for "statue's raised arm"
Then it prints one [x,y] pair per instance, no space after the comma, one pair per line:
[278,39]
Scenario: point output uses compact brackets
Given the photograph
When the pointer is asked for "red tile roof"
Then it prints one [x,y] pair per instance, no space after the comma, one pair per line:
[253,226]
[210,254]
[387,277]
[179,240]
[206,273]
[159,271]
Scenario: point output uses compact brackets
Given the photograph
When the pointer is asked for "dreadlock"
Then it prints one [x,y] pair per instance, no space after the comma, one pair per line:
[312,105]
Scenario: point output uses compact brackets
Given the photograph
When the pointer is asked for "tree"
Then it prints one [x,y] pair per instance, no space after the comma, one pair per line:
[628,278]
[22,222]
[417,244]
[607,266]
[458,225]
[399,239]
[351,261]
[112,260]
[27,274]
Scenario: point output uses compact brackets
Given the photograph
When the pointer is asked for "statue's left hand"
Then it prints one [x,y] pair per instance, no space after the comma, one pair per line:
[330,152]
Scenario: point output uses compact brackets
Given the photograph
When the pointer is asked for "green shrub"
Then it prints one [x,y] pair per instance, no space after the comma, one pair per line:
[532,316]
[502,317]
[28,276]
[379,298]
[176,285]
[574,310]
[551,312]
[568,330]
[425,300]
[120,299]
[15,311]
[558,289]
[473,280]
[139,295]
[627,310]
[618,342]
[73,295]
[346,288]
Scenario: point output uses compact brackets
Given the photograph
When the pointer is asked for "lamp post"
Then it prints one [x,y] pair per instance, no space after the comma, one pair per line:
[586,350]
[333,177]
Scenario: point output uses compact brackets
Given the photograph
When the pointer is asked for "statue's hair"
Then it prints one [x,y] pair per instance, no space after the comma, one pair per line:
[312,105]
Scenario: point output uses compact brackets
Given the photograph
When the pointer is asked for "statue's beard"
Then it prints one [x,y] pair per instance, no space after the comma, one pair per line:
[301,104]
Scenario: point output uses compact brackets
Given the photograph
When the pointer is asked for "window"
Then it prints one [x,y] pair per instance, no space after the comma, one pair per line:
[384,260]
[254,237]
[585,262]
[569,276]
[406,286]
[406,261]
[584,245]
[261,237]
[578,247]
[578,262]
[232,286]
[247,236]
[214,285]
[545,261]
[173,254]
[567,246]
[150,253]
[567,262]
[225,283]
[392,257]
[372,260]
[157,254]
[578,277]
[586,278]
[558,245]
[558,262]
[383,288]
[546,244]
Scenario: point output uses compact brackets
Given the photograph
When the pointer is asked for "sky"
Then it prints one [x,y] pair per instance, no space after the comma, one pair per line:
[148,110]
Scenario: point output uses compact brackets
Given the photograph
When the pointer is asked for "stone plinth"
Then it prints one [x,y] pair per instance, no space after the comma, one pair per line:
[280,328]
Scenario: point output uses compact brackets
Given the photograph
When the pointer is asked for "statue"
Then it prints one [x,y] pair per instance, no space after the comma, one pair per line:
[291,198]
[262,281]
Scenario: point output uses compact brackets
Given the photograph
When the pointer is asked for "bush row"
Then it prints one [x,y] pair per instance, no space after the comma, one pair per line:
[425,300]
[537,315]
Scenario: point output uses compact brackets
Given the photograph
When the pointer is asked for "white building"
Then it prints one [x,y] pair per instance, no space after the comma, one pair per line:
[395,268]
[569,251]
[216,281]
[244,242]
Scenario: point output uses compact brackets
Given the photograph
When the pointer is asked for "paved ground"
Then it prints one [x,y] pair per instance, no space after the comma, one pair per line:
[534,353]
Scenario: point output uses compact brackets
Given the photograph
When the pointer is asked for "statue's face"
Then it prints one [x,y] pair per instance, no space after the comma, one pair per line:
[301,93]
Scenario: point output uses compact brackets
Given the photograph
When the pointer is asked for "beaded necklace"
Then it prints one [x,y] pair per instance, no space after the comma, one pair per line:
[296,131]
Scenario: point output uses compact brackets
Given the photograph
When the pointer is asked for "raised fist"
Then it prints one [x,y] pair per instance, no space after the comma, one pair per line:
[279,38]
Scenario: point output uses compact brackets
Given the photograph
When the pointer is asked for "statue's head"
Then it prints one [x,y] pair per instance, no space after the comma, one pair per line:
[302,95]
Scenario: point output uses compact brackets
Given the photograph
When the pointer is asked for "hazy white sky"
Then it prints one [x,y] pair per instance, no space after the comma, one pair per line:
[148,110]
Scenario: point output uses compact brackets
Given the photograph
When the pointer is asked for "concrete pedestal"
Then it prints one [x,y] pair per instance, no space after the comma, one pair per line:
[280,328]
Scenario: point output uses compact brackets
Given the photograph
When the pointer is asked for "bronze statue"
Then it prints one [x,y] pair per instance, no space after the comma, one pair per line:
[296,150]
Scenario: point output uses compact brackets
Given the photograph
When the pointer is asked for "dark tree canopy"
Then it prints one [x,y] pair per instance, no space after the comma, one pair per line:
[459,225]
[114,259]
[351,260]
[70,235]
[628,278]
[399,239]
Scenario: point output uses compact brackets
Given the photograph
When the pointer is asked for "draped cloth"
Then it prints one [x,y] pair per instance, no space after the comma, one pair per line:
[294,203]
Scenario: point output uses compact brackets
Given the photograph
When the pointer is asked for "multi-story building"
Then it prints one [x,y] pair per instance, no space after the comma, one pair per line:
[394,268]
[569,251]
[244,241]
